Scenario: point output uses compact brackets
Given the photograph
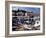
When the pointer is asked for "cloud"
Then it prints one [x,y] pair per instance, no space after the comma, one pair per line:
[34,10]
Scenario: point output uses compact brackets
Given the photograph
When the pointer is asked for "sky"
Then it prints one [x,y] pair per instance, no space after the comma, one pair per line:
[33,9]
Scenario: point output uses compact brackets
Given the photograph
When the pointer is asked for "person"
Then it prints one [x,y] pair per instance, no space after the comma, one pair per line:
[20,17]
[31,20]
